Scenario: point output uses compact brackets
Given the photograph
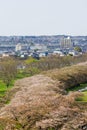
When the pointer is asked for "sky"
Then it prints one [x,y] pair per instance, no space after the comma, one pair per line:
[43,17]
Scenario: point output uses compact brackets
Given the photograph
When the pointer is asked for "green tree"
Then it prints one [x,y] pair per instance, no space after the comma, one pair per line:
[77,48]
[8,70]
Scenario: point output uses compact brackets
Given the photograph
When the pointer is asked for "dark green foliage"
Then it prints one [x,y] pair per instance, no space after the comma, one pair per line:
[77,48]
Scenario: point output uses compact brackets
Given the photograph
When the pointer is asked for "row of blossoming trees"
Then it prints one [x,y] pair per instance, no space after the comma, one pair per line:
[9,66]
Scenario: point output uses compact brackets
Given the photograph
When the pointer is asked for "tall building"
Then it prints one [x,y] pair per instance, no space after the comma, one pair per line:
[18,47]
[66,43]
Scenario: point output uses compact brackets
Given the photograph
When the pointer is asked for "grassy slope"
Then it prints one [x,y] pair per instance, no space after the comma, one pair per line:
[69,76]
[72,78]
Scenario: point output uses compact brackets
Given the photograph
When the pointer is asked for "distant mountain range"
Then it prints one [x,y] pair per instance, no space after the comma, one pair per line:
[54,39]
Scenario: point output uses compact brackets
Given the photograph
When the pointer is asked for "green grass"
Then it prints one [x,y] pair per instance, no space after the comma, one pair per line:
[5,93]
[76,88]
[27,72]
[20,75]
[4,88]
[50,128]
[18,126]
[82,98]
[30,60]
[1,127]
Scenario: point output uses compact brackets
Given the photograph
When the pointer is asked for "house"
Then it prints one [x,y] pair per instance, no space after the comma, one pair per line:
[42,54]
[74,53]
[5,55]
[59,52]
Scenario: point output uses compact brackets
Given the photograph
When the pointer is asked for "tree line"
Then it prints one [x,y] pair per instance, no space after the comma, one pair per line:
[9,66]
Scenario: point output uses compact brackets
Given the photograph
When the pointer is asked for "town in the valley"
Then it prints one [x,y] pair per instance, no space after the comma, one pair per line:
[41,46]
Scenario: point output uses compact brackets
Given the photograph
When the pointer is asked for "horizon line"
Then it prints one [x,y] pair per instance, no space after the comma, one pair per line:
[41,35]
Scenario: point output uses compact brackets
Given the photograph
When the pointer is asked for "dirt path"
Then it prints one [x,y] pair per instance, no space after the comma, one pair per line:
[35,92]
[83,63]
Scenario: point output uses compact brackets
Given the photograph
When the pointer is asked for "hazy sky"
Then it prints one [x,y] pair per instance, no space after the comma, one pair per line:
[43,17]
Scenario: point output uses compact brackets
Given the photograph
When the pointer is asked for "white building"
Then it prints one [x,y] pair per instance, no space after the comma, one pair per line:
[42,54]
[38,47]
[74,53]
[18,47]
[5,55]
[59,52]
[66,43]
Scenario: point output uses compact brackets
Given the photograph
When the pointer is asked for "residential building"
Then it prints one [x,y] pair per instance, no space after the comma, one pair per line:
[66,43]
[18,47]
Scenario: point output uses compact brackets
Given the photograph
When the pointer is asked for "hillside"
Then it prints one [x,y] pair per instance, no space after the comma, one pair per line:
[41,102]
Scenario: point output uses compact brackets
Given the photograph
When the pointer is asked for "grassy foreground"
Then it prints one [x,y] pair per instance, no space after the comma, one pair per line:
[40,104]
